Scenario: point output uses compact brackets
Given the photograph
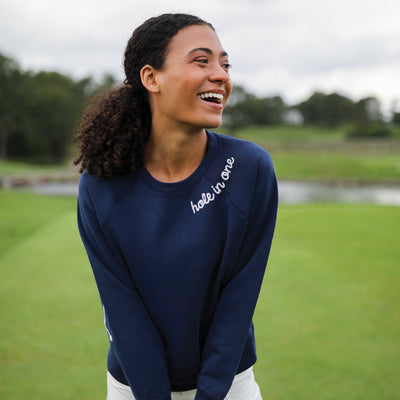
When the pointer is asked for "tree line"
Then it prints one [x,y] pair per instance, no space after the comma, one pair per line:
[363,118]
[39,112]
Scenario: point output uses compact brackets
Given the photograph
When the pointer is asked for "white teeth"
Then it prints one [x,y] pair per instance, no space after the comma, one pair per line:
[211,94]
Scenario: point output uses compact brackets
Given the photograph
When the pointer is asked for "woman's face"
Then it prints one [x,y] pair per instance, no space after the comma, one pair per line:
[194,83]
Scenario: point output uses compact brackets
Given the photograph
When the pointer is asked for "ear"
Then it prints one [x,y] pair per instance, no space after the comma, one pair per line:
[148,75]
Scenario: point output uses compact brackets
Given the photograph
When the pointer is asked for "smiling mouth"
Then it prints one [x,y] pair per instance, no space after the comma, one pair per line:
[211,97]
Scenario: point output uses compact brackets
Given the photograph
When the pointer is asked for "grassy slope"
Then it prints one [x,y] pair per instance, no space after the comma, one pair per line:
[11,168]
[306,153]
[327,320]
[53,344]
[329,166]
[23,213]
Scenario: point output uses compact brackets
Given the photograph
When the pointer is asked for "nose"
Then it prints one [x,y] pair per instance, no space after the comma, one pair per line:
[219,73]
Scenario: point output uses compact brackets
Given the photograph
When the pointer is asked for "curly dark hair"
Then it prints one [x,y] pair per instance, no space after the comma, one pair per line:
[116,125]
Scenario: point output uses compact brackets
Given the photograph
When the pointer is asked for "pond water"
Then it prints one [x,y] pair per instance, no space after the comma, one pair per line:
[289,192]
[308,192]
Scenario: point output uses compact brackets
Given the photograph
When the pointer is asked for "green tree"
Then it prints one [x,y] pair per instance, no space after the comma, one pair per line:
[246,109]
[368,121]
[395,111]
[10,91]
[50,107]
[327,109]
[396,118]
[39,110]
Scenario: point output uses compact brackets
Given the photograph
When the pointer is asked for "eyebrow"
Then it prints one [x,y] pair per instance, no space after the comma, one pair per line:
[208,51]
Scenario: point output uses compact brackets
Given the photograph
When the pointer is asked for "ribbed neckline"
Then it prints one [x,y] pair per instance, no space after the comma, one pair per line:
[164,187]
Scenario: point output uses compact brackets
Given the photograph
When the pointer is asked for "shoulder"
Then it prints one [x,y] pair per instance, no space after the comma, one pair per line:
[247,151]
[249,169]
[103,194]
[250,156]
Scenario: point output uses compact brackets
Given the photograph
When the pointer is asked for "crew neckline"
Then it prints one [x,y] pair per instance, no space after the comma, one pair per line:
[211,151]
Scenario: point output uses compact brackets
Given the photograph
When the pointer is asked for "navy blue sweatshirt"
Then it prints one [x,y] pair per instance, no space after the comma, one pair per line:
[179,267]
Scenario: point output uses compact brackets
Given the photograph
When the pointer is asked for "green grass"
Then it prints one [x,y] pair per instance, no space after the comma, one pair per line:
[306,153]
[19,168]
[306,137]
[21,214]
[327,322]
[53,344]
[334,166]
[328,319]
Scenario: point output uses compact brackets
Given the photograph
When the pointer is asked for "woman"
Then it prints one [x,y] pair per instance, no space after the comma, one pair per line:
[177,221]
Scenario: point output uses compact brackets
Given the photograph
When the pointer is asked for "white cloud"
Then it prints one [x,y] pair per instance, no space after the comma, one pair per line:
[276,46]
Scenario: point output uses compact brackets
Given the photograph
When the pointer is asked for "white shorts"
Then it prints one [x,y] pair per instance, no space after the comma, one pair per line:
[244,387]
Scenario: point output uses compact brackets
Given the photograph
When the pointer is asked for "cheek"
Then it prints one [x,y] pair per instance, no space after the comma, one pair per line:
[188,95]
[179,101]
[180,90]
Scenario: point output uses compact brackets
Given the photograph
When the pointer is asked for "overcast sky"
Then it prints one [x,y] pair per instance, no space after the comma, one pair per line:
[286,47]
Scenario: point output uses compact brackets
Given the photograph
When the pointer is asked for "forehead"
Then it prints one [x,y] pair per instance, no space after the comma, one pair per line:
[193,37]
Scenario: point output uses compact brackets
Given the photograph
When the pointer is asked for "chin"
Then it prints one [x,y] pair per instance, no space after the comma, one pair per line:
[207,122]
[213,124]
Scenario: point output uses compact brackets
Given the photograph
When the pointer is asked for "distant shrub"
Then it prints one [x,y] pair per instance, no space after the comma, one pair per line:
[396,118]
[373,129]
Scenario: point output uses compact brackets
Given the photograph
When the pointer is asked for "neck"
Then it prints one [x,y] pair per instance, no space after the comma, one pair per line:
[173,156]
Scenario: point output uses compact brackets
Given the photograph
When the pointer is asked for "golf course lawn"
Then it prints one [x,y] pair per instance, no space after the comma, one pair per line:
[327,322]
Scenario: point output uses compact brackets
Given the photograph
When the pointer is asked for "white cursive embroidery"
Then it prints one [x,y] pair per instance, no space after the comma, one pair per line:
[207,198]
[105,324]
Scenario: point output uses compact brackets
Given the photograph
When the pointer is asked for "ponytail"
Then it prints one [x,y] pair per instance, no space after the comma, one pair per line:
[113,132]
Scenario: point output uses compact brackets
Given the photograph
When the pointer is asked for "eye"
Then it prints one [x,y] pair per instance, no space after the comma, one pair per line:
[226,66]
[202,60]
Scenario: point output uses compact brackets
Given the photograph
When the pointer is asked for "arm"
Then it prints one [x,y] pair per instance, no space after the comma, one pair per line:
[133,336]
[233,316]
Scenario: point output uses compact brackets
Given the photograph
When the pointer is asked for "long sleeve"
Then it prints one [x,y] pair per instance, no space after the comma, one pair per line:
[133,337]
[233,315]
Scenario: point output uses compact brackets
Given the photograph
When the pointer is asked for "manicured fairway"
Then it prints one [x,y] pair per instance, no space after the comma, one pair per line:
[53,344]
[327,322]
